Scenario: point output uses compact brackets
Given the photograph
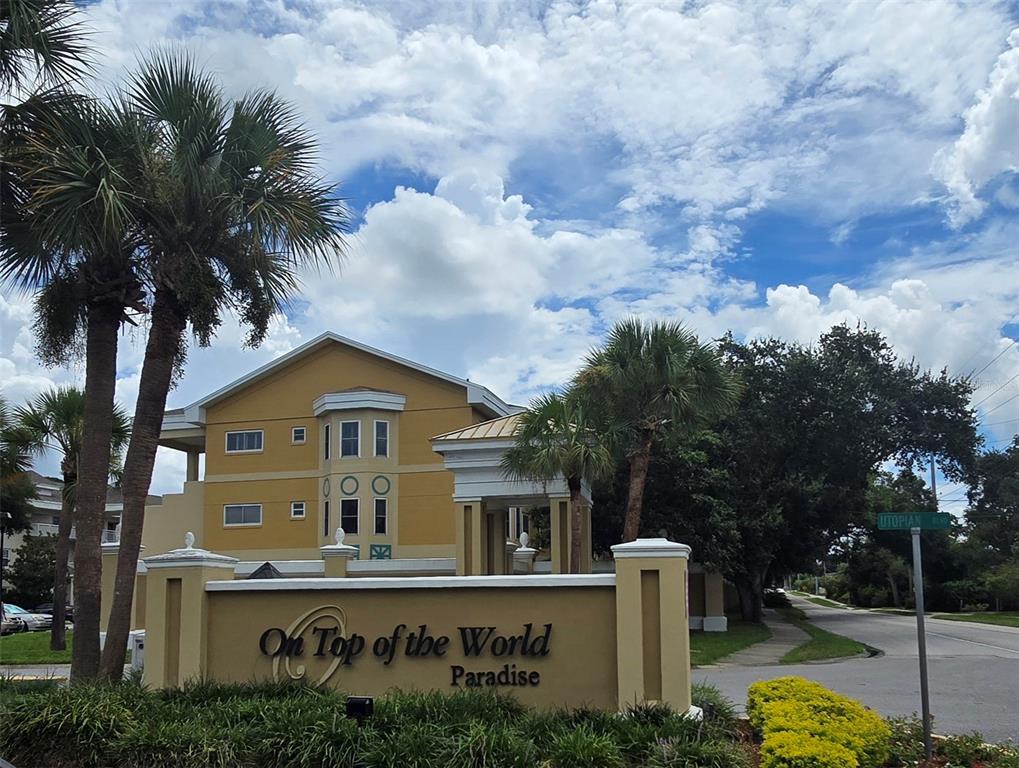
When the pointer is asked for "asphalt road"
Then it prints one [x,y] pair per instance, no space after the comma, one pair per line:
[973,670]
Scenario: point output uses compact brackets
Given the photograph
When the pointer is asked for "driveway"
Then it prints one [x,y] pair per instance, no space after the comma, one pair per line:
[973,670]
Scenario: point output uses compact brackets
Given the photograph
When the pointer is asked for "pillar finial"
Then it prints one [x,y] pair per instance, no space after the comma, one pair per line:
[340,536]
[189,540]
[524,539]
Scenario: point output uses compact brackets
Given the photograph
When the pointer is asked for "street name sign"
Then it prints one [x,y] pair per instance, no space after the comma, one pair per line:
[928,521]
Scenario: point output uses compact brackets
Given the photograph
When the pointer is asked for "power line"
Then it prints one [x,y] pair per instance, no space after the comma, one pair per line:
[997,390]
[999,423]
[1004,402]
[996,357]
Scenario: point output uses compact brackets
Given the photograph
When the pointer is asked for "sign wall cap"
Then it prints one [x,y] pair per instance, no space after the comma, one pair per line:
[190,555]
[657,547]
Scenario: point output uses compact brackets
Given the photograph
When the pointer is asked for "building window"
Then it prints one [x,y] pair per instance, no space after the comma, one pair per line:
[381,517]
[298,435]
[242,514]
[325,519]
[297,510]
[382,438]
[349,509]
[350,438]
[328,435]
[249,441]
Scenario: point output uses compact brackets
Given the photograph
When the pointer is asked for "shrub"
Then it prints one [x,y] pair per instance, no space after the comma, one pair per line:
[75,725]
[798,706]
[484,746]
[583,748]
[718,710]
[193,743]
[415,745]
[905,747]
[788,749]
[966,750]
[774,599]
[680,753]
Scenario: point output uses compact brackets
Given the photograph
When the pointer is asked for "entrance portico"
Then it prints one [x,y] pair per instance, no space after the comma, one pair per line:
[491,508]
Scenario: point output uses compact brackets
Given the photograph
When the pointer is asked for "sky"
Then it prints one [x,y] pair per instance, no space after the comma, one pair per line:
[523,174]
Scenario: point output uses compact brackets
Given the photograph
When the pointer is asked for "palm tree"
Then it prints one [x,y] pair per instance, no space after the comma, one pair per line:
[43,34]
[555,439]
[67,235]
[231,208]
[55,420]
[650,380]
[71,239]
[16,488]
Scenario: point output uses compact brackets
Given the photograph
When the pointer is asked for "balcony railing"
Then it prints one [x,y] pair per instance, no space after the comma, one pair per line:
[48,529]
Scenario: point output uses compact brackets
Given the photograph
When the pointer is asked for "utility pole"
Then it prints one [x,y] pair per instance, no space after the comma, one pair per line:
[934,479]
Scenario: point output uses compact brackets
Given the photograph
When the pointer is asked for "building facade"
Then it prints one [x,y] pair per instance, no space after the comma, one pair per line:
[333,434]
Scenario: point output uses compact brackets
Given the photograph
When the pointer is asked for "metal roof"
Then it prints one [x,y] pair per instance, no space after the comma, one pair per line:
[503,427]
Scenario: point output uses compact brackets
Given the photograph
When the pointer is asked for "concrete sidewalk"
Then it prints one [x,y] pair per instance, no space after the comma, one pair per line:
[36,671]
[784,637]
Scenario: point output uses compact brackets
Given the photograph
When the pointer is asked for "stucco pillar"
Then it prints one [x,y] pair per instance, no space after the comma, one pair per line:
[192,470]
[714,603]
[652,627]
[471,537]
[559,517]
[110,554]
[336,556]
[176,612]
[586,549]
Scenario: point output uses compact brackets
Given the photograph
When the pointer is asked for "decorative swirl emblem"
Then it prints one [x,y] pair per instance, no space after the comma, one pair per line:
[332,615]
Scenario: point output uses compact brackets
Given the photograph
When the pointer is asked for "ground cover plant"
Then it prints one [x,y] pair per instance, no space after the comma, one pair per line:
[209,725]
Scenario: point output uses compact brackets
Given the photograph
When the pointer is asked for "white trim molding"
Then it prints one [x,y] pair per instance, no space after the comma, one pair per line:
[190,556]
[559,580]
[657,547]
[358,399]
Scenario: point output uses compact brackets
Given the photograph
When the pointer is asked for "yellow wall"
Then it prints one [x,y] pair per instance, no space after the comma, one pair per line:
[277,528]
[579,670]
[420,501]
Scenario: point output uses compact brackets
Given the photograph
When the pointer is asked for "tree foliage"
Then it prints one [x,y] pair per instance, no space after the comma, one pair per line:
[31,574]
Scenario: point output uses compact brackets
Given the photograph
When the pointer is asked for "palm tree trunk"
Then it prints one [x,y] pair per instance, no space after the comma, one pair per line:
[93,473]
[639,462]
[576,523]
[63,550]
[161,354]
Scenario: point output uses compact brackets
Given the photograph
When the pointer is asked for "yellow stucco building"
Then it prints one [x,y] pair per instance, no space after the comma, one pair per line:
[334,433]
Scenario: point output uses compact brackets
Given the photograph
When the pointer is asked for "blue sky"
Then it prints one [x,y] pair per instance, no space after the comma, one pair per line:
[524,174]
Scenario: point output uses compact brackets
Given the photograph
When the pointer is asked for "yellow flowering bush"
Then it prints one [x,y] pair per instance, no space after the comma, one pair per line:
[788,749]
[792,705]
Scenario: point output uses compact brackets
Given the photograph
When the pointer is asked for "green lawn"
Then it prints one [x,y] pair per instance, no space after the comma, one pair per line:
[32,648]
[822,643]
[1003,618]
[825,602]
[709,647]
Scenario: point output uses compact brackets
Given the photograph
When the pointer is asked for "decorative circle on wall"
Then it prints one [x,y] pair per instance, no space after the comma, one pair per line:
[325,487]
[348,485]
[381,485]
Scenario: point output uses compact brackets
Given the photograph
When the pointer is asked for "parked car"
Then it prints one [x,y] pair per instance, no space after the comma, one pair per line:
[12,624]
[33,621]
[47,609]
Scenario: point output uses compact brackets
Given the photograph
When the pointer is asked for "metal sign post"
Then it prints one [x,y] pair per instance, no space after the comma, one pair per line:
[921,640]
[915,522]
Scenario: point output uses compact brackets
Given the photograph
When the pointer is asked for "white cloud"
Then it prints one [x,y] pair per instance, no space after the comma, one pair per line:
[989,145]
[665,118]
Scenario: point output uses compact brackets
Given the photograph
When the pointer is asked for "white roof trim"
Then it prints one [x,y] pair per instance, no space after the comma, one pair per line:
[194,414]
[657,547]
[292,567]
[403,565]
[358,399]
[560,580]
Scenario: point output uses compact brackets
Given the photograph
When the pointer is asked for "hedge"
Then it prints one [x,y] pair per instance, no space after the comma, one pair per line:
[210,725]
[801,721]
